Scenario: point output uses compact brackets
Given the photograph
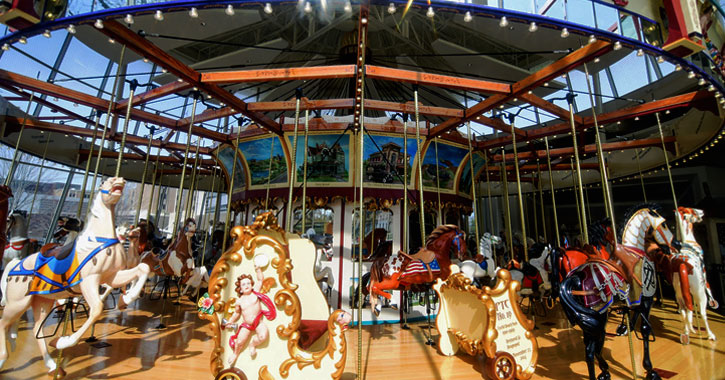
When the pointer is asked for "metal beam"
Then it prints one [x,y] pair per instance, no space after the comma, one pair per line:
[436,80]
[291,73]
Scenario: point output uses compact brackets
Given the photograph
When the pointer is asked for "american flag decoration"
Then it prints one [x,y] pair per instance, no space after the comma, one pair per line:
[417,267]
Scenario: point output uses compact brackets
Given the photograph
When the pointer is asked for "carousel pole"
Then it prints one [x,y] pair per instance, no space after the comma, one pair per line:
[507,215]
[490,204]
[304,172]
[153,186]
[269,173]
[361,203]
[473,182]
[143,177]
[669,173]
[541,200]
[641,179]
[129,106]
[11,172]
[88,166]
[180,193]
[37,182]
[293,166]
[553,196]
[438,182]
[518,187]
[108,118]
[420,169]
[583,215]
[405,188]
[579,201]
[231,186]
[606,190]
[192,184]
[206,235]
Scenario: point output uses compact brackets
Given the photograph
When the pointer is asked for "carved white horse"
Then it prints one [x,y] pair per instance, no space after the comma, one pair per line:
[540,264]
[323,274]
[18,242]
[692,253]
[483,265]
[97,257]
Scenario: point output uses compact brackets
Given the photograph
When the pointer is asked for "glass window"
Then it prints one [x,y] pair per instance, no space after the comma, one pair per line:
[519,5]
[551,9]
[626,76]
[580,12]
[607,17]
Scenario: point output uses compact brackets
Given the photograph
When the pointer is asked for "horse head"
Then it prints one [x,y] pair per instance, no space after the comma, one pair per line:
[111,191]
[458,242]
[659,230]
[691,215]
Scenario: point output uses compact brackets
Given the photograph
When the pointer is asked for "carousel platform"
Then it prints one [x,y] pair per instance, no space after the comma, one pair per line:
[139,351]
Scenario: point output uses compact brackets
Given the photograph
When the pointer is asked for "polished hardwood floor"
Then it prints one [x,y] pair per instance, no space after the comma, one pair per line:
[137,350]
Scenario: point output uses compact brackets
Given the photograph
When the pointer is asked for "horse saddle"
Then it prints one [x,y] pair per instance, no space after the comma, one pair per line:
[602,280]
[425,255]
[55,269]
[58,251]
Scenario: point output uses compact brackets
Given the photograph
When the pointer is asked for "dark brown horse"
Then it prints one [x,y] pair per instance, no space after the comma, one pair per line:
[401,271]
[177,259]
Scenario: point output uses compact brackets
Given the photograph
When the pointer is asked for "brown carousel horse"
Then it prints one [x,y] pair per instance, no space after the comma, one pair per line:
[589,290]
[374,239]
[177,260]
[600,234]
[402,271]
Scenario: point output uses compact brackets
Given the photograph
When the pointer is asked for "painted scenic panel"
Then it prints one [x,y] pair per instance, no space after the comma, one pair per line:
[226,156]
[327,157]
[464,186]
[384,159]
[449,158]
[257,154]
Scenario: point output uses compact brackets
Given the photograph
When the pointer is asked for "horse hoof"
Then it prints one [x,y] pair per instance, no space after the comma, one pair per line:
[713,304]
[712,337]
[61,373]
[64,342]
[653,375]
[684,339]
[604,376]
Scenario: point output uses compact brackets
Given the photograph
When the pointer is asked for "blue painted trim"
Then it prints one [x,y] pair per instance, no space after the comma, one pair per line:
[475,9]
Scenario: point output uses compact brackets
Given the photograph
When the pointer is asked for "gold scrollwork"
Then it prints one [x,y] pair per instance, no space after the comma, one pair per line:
[315,358]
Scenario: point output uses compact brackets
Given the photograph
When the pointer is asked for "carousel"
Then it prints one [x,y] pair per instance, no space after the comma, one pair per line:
[334,189]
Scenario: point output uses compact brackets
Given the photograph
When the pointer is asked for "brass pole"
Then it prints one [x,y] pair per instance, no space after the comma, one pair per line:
[143,177]
[541,200]
[37,182]
[585,234]
[192,184]
[490,204]
[304,172]
[183,169]
[421,207]
[231,188]
[669,172]
[206,235]
[553,196]
[11,172]
[293,166]
[88,167]
[108,116]
[129,106]
[269,171]
[405,184]
[473,182]
[606,190]
[361,105]
[579,201]
[153,186]
[639,170]
[506,205]
[438,184]
[520,197]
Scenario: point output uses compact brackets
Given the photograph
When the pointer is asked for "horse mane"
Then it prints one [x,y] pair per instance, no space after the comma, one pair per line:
[95,210]
[633,210]
[598,232]
[440,230]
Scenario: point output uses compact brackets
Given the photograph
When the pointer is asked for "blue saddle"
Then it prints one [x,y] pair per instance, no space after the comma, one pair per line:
[483,265]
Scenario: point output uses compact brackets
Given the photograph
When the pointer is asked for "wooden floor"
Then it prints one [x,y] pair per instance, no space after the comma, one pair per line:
[139,351]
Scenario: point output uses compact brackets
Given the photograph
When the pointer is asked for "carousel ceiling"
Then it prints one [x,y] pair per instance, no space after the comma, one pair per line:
[234,70]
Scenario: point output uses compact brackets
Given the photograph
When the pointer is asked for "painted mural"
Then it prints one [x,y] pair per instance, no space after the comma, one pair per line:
[449,158]
[226,156]
[464,185]
[384,159]
[257,154]
[327,157]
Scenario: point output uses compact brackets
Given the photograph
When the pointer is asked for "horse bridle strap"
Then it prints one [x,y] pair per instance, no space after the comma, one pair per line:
[17,245]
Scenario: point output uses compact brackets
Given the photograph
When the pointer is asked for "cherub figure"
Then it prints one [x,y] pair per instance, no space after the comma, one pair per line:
[249,312]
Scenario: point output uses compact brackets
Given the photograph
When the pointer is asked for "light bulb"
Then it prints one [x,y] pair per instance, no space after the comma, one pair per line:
[617,45]
[6,47]
[596,60]
[98,24]
[391,8]
[46,33]
[128,19]
[430,13]
[23,40]
[701,82]
[636,118]
[193,13]
[71,29]
[268,8]
[678,67]
[159,16]
[111,41]
[533,27]
[564,33]
[592,39]
[660,59]
[229,10]
[640,52]
[348,7]
[711,88]
[467,17]
[691,75]
[504,22]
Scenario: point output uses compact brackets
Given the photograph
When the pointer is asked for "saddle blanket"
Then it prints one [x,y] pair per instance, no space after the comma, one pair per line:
[418,267]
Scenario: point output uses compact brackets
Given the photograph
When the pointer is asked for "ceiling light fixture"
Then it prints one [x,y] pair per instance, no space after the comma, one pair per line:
[159,16]
[193,13]
[391,8]
[617,45]
[23,40]
[564,33]
[701,82]
[98,24]
[660,59]
[268,8]
[691,75]
[308,7]
[533,27]
[229,10]
[430,12]
[128,19]
[467,17]
[348,7]
[592,38]
[504,22]
[71,29]
[46,33]
[640,52]
[6,47]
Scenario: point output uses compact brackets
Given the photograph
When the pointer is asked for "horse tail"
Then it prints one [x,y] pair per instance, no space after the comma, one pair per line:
[4,281]
[588,319]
